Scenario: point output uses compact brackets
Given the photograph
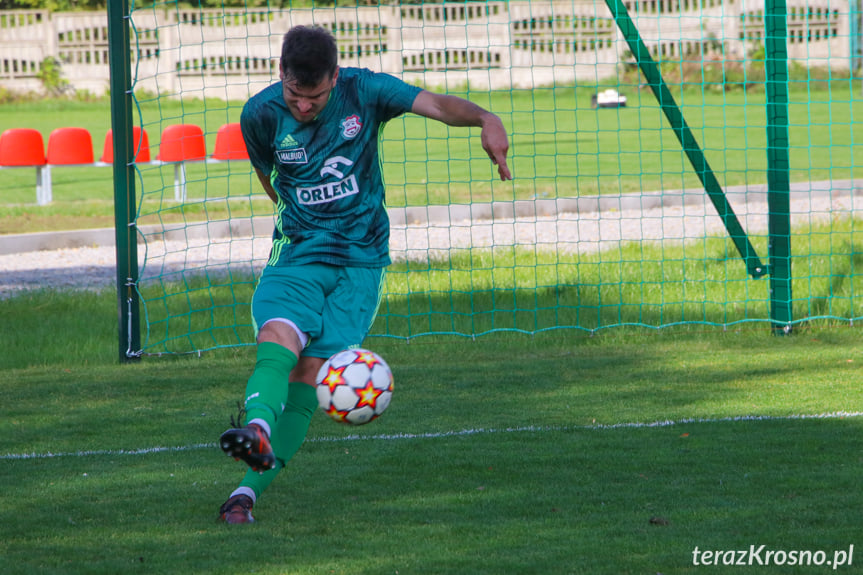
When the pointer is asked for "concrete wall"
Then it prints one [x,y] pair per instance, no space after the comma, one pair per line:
[231,54]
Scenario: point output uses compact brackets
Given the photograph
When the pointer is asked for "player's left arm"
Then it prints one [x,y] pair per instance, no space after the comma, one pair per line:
[455,111]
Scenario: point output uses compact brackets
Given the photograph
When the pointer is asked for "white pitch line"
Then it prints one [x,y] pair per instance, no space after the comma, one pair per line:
[447,434]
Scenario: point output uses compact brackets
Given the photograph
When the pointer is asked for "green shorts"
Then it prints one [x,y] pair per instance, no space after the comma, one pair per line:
[334,306]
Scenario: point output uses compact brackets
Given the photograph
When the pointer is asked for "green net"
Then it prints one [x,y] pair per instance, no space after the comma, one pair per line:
[641,140]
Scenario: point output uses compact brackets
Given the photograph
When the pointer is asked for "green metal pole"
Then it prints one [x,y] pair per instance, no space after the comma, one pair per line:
[687,140]
[855,36]
[128,308]
[778,165]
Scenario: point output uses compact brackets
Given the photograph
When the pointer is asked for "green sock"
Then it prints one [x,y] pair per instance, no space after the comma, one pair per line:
[267,388]
[288,435]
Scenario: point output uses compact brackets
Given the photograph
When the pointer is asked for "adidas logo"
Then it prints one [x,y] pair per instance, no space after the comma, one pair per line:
[289,142]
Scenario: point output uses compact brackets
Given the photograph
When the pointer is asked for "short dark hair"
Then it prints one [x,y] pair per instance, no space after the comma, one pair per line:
[309,55]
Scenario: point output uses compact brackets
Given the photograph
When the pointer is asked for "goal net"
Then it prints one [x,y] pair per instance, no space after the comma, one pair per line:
[627,208]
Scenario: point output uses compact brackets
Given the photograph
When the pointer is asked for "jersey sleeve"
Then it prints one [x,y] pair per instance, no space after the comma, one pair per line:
[393,96]
[258,142]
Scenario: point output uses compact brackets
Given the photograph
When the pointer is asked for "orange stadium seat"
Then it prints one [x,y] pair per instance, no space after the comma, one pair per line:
[182,143]
[70,146]
[22,147]
[141,143]
[230,144]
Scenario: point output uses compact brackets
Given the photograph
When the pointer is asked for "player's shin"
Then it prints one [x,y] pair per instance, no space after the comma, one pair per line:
[288,436]
[291,429]
[267,388]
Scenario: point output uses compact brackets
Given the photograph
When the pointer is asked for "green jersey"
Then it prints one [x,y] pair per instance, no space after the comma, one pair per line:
[331,201]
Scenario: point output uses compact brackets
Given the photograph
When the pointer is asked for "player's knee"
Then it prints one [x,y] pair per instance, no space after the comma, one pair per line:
[306,370]
[285,333]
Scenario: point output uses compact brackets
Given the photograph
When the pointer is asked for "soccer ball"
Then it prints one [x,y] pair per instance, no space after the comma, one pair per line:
[354,386]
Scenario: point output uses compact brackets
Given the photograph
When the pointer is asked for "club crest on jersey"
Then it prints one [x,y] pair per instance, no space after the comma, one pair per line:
[351,126]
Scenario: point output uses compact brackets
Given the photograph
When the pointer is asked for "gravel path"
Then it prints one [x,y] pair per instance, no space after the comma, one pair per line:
[585,232]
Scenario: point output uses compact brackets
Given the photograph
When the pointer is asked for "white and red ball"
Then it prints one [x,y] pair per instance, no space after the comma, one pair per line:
[354,386]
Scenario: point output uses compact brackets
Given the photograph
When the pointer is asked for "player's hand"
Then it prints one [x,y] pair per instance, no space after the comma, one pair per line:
[496,144]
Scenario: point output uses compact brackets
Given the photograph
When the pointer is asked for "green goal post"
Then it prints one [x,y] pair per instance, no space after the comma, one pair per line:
[674,162]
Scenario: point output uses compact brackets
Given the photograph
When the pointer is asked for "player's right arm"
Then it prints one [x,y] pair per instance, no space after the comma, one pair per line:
[267,185]
[257,127]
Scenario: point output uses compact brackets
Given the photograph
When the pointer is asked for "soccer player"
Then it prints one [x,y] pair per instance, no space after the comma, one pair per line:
[313,142]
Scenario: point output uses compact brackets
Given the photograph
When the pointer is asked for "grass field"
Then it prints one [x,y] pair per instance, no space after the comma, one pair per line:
[594,452]
[559,453]
[560,148]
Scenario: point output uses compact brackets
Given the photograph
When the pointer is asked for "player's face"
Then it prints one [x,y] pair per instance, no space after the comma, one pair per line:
[306,102]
